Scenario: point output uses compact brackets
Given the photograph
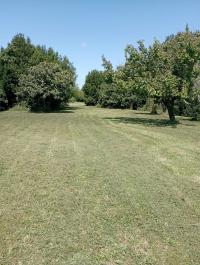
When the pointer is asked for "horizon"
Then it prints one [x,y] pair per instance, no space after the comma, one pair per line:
[84,31]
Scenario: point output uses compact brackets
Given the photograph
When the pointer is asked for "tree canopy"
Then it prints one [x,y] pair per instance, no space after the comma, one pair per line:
[17,59]
[166,72]
[45,86]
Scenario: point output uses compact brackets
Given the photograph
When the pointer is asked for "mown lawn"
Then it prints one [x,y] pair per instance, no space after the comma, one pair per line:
[91,186]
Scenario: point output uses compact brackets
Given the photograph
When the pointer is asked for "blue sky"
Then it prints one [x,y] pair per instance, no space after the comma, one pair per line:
[85,30]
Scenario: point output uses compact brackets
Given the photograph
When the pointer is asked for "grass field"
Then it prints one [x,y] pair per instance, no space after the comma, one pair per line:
[91,186]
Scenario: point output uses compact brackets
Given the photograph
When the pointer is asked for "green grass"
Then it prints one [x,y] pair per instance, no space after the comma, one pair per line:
[91,186]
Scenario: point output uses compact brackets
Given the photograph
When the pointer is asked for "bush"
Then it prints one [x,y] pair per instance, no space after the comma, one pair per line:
[45,86]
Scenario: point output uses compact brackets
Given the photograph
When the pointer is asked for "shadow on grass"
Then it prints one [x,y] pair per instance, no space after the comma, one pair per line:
[52,111]
[72,108]
[145,113]
[147,122]
[67,109]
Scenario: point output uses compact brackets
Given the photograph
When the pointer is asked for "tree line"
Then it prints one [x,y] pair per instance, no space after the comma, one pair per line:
[35,75]
[167,73]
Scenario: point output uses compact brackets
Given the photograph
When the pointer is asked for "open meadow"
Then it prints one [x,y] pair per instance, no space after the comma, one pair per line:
[90,186]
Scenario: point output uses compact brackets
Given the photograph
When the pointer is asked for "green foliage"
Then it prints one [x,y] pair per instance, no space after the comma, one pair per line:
[17,58]
[77,95]
[45,86]
[173,65]
[120,88]
[92,87]
[132,77]
[108,71]
[14,60]
[165,72]
[3,100]
[115,96]
[192,105]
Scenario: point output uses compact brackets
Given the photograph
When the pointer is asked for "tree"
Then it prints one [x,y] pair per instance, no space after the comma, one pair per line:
[123,87]
[3,100]
[39,55]
[132,77]
[173,66]
[92,87]
[18,57]
[193,102]
[14,60]
[121,93]
[77,95]
[45,86]
[108,70]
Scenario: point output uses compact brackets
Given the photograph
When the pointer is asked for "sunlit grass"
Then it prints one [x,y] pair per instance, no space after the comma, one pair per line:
[97,186]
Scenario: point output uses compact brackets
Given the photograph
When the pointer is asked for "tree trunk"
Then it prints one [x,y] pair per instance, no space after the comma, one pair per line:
[154,109]
[163,107]
[180,109]
[170,108]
